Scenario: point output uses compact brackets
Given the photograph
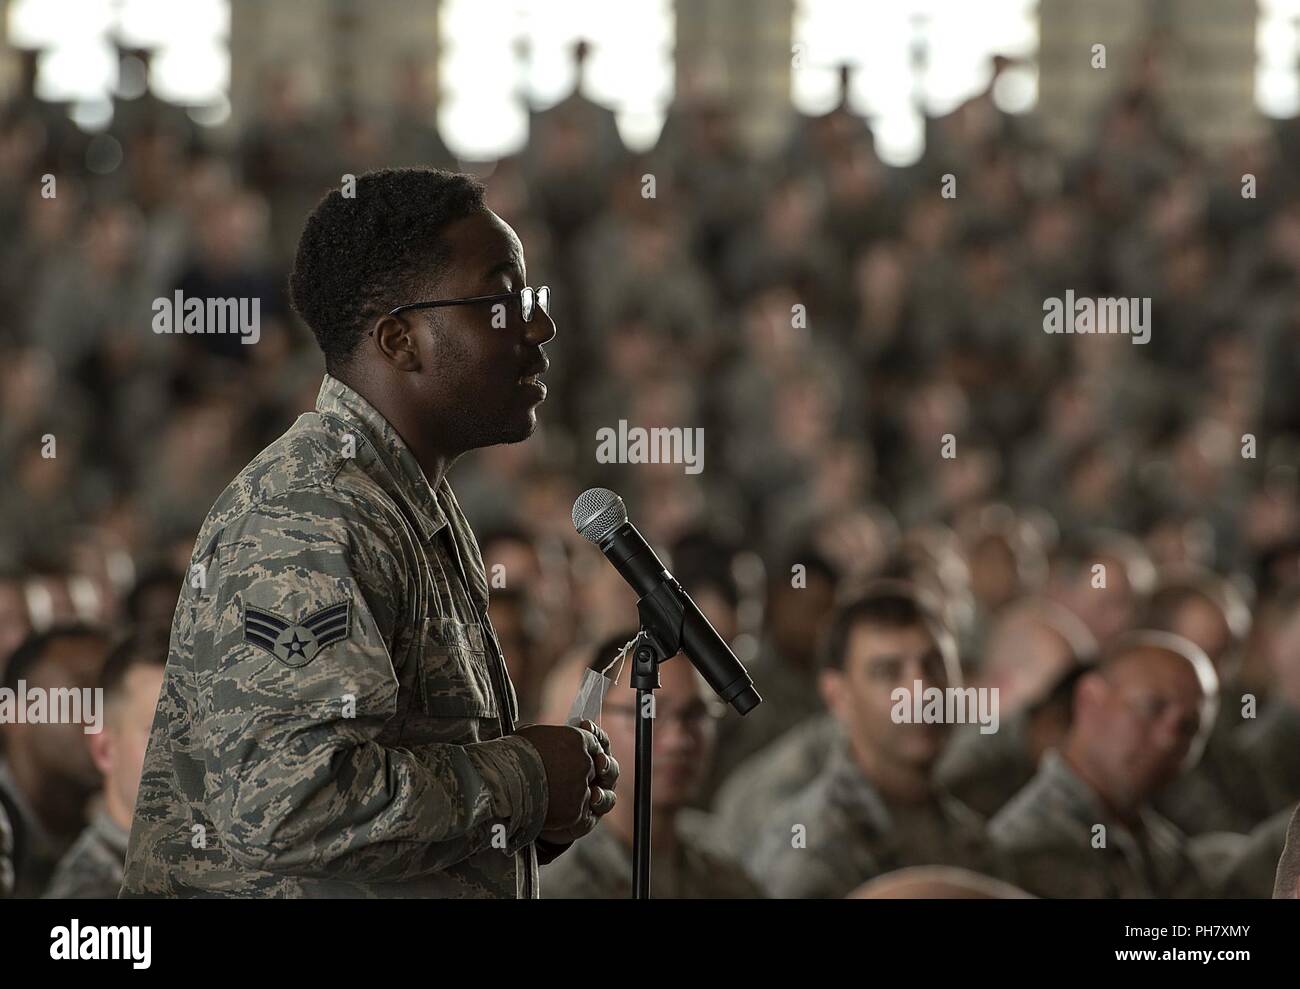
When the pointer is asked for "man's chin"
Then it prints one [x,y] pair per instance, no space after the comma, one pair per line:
[519,430]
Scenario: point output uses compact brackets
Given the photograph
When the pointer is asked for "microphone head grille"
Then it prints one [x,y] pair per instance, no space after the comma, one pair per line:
[597,513]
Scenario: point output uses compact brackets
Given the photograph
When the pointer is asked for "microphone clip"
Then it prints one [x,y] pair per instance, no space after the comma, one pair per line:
[660,638]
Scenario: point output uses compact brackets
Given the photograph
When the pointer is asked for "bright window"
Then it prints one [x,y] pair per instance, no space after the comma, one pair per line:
[1277,70]
[496,51]
[908,53]
[78,64]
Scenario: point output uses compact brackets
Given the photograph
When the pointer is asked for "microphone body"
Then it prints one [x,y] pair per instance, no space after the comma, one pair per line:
[625,547]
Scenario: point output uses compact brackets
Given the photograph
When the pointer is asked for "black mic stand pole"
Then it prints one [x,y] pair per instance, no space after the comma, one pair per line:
[658,640]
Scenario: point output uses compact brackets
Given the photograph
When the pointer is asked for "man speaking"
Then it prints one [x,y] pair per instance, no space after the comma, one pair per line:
[336,718]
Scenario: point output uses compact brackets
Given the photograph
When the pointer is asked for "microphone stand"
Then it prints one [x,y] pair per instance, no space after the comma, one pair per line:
[658,640]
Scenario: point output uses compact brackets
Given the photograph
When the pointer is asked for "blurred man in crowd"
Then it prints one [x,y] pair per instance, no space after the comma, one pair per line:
[1034,652]
[1223,791]
[800,594]
[1084,825]
[1103,576]
[131,679]
[874,807]
[46,773]
[685,864]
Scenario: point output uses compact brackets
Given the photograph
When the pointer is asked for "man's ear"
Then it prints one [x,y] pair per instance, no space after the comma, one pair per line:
[101,750]
[832,685]
[398,341]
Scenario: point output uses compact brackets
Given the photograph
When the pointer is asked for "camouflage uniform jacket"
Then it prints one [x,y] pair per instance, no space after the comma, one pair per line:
[336,716]
[840,831]
[770,778]
[92,867]
[1049,833]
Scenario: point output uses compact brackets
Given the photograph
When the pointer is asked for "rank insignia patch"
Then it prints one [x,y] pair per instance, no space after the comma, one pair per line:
[297,644]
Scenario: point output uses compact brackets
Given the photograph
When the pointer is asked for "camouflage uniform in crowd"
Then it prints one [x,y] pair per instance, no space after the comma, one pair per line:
[92,868]
[852,834]
[984,771]
[1046,832]
[769,778]
[599,867]
[336,716]
[790,697]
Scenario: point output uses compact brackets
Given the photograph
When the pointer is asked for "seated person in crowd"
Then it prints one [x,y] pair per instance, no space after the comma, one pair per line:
[875,806]
[786,665]
[1223,791]
[685,863]
[1034,650]
[1084,826]
[982,770]
[46,774]
[132,678]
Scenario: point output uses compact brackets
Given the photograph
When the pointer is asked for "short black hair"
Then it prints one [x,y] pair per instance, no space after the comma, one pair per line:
[142,647]
[360,256]
[891,604]
[29,653]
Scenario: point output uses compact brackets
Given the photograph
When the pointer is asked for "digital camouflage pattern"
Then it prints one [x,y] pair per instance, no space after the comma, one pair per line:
[599,867]
[285,760]
[769,778]
[1047,832]
[850,833]
[92,867]
[790,697]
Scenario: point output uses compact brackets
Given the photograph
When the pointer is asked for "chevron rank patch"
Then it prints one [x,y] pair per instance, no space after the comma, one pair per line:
[297,643]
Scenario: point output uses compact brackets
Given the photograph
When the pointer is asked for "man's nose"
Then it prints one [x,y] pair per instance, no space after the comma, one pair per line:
[540,329]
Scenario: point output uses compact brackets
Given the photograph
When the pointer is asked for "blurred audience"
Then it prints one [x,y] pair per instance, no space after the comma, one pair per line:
[867,363]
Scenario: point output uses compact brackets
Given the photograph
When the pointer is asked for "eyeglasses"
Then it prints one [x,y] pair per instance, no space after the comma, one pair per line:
[530,299]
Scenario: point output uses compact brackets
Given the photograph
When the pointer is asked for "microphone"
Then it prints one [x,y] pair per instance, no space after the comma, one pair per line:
[600,516]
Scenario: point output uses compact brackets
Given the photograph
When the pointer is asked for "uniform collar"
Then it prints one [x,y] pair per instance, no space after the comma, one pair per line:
[338,400]
[1082,802]
[435,511]
[850,788]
